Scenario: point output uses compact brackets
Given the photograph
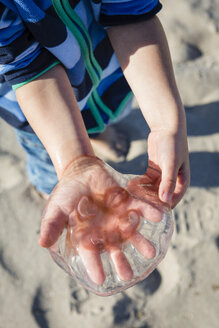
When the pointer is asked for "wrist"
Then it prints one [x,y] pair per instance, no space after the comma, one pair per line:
[80,164]
[172,121]
[68,152]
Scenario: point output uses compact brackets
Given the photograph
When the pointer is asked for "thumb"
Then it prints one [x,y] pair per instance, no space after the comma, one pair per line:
[53,222]
[168,182]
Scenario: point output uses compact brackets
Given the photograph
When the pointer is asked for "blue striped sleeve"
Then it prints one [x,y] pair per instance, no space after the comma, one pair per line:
[21,56]
[118,12]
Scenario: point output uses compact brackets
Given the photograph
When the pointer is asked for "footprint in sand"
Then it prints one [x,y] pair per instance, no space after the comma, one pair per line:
[195,222]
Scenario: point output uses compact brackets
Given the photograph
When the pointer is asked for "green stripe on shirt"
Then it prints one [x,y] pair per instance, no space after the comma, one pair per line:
[16,86]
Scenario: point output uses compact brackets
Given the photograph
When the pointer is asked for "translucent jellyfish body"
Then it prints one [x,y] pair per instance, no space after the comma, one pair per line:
[115,239]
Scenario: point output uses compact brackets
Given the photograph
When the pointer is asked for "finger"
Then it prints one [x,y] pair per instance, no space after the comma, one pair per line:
[53,222]
[143,245]
[148,210]
[121,264]
[182,183]
[93,264]
[168,181]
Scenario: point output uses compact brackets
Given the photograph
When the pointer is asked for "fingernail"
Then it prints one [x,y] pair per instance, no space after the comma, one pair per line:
[166,197]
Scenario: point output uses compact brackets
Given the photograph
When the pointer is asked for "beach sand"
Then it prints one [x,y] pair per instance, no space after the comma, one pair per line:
[184,290]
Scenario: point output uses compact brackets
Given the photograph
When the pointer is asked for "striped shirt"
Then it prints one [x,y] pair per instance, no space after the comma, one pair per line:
[36,35]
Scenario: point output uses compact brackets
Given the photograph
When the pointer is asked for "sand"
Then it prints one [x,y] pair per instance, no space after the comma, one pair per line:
[184,290]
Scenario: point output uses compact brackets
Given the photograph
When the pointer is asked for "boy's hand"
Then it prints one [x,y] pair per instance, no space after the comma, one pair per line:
[169,152]
[100,215]
[144,56]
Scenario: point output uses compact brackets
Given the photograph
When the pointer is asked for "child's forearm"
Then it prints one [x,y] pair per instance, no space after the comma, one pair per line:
[51,109]
[143,54]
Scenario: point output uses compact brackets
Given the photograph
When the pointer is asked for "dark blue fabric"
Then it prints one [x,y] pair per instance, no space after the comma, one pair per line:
[33,37]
